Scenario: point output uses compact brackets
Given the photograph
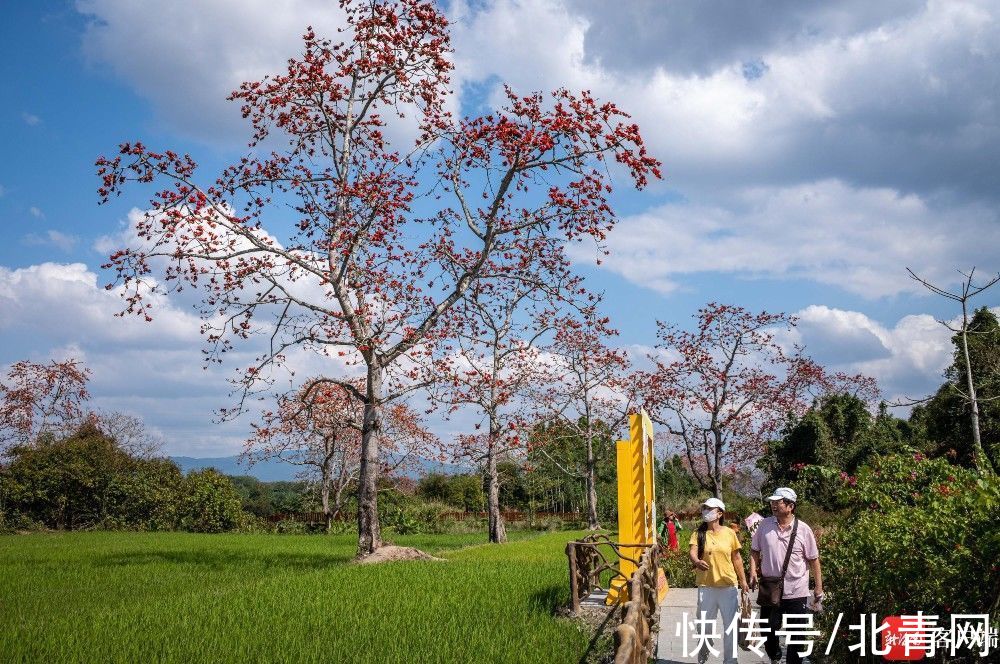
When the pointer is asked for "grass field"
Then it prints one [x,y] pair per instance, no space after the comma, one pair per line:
[192,598]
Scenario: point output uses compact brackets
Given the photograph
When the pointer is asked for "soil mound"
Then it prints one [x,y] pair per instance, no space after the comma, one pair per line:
[392,554]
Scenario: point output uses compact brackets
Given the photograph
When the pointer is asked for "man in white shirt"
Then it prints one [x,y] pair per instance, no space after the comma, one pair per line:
[767,554]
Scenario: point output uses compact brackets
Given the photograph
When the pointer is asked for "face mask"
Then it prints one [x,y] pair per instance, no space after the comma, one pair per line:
[709,515]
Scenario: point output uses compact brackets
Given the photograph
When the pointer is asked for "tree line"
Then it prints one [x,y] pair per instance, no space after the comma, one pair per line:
[89,480]
[67,467]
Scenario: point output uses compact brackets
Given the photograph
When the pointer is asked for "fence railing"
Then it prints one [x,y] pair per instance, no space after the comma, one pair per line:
[510,516]
[634,636]
[307,517]
[589,561]
[515,515]
[595,561]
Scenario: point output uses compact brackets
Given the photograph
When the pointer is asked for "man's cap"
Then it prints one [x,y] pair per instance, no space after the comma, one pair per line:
[714,502]
[784,492]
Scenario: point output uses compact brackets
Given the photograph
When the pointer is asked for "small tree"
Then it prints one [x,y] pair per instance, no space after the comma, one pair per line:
[967,291]
[130,432]
[318,428]
[941,424]
[41,398]
[723,390]
[359,273]
[496,366]
[586,395]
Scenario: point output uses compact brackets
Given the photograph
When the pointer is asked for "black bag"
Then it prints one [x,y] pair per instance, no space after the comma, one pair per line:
[771,588]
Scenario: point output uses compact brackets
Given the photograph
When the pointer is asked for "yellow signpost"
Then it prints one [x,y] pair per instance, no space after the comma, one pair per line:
[636,503]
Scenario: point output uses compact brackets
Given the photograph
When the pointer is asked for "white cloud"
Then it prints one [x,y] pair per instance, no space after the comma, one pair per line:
[223,44]
[61,310]
[834,336]
[697,37]
[860,240]
[186,57]
[36,212]
[909,359]
[30,119]
[53,238]
[155,369]
[866,144]
[62,303]
[894,100]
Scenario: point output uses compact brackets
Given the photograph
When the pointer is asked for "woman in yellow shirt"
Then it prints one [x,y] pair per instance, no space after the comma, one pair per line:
[718,571]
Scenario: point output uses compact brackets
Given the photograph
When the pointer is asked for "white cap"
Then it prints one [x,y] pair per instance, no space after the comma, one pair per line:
[784,492]
[714,502]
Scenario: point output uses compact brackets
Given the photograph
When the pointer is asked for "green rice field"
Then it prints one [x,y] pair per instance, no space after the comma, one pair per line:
[178,597]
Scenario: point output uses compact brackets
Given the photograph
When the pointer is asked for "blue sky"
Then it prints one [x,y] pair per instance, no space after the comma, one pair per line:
[812,152]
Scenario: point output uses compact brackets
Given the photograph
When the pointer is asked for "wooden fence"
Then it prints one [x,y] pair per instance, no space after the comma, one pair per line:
[595,557]
[589,561]
[634,636]
[510,516]
[307,517]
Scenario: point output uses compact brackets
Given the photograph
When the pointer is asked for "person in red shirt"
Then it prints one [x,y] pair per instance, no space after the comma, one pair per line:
[668,530]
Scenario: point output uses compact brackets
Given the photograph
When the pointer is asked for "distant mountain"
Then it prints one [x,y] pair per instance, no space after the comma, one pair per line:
[266,471]
[276,471]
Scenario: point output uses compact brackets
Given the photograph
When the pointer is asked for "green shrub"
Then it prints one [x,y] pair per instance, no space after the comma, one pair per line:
[87,480]
[265,499]
[740,505]
[16,522]
[464,491]
[923,536]
[209,503]
[677,566]
[144,498]
[341,527]
[290,527]
[549,524]
[402,523]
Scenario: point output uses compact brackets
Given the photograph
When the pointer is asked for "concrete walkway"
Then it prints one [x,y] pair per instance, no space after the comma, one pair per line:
[670,648]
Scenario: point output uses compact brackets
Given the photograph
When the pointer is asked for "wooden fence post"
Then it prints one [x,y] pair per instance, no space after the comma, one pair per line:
[574,584]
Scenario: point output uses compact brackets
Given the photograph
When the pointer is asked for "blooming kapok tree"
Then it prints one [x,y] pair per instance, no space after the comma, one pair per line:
[725,388]
[358,272]
[496,366]
[587,396]
[318,427]
[37,398]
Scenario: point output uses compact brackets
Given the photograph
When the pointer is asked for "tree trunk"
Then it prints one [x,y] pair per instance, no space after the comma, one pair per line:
[369,533]
[717,467]
[592,523]
[498,533]
[977,443]
[324,493]
[338,495]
